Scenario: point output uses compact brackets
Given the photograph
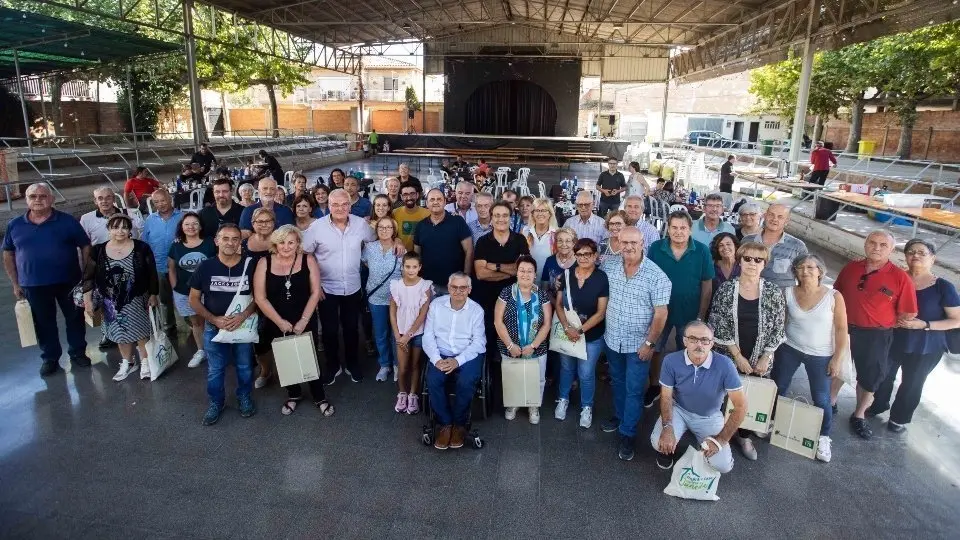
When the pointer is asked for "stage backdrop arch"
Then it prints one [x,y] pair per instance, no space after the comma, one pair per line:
[511,108]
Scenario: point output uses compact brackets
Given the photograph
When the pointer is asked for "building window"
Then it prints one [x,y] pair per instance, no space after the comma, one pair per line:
[391,83]
[771,124]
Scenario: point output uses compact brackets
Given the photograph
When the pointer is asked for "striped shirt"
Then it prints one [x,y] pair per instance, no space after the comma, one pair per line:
[477,230]
[649,232]
[779,269]
[632,301]
[595,228]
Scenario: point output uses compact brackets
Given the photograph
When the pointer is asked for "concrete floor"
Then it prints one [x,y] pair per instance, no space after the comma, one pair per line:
[84,457]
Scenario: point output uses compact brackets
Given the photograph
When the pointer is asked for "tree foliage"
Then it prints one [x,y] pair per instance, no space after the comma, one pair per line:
[410,97]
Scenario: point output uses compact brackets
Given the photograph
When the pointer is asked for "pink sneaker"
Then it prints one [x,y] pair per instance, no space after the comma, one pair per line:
[401,405]
[413,404]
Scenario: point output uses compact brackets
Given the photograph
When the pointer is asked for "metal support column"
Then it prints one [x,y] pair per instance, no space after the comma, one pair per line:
[663,111]
[43,108]
[23,104]
[423,98]
[133,120]
[196,101]
[803,92]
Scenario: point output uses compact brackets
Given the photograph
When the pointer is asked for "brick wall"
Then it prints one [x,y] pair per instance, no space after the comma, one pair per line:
[385,121]
[293,117]
[79,118]
[243,119]
[331,121]
[936,135]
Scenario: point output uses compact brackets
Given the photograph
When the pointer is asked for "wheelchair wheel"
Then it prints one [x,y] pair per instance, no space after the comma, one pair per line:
[485,390]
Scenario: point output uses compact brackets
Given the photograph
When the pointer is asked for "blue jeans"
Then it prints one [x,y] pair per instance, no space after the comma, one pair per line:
[467,376]
[44,300]
[219,356]
[629,376]
[785,363]
[586,370]
[383,335]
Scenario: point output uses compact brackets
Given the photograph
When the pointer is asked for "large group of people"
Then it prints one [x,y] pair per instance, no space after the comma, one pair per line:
[476,279]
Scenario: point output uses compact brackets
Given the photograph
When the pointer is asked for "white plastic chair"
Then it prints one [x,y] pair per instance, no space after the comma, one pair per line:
[119,201]
[150,205]
[196,198]
[543,190]
[506,169]
[523,173]
[256,195]
[287,179]
[501,184]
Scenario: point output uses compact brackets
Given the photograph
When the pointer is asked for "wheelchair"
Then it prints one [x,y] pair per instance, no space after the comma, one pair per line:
[482,394]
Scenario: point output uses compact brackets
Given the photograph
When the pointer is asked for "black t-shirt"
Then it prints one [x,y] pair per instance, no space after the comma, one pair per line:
[748,321]
[489,249]
[440,247]
[726,173]
[276,171]
[585,299]
[611,181]
[205,160]
[211,218]
[218,283]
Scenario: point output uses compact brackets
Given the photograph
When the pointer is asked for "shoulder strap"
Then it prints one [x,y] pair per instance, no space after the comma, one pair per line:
[569,299]
[387,278]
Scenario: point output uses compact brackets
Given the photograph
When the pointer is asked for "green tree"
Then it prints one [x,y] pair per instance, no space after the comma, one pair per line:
[413,103]
[776,86]
[854,77]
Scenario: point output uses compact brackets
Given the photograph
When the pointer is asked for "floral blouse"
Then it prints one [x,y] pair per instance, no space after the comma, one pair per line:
[533,315]
[723,318]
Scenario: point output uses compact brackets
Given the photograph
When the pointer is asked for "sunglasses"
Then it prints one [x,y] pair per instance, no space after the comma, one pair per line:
[757,260]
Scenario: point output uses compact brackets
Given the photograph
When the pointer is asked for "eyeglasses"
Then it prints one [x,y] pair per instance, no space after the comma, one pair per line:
[702,340]
[458,288]
[583,204]
[385,227]
[917,252]
[863,281]
[756,260]
[263,222]
[585,254]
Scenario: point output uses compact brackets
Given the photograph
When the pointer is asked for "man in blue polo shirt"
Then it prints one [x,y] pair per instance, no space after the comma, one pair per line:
[710,223]
[690,268]
[159,231]
[693,383]
[40,255]
[443,241]
[359,206]
[267,189]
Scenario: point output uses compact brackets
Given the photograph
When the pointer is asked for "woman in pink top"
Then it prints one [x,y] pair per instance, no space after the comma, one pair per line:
[409,300]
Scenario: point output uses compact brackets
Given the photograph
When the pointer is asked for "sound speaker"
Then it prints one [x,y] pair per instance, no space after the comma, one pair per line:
[410,113]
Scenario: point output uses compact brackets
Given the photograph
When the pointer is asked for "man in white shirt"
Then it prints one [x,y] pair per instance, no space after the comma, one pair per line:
[463,206]
[587,224]
[454,341]
[633,206]
[336,241]
[95,223]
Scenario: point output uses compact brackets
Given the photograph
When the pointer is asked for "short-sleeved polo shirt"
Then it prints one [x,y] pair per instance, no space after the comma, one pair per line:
[705,237]
[779,269]
[440,246]
[875,299]
[46,253]
[686,275]
[699,390]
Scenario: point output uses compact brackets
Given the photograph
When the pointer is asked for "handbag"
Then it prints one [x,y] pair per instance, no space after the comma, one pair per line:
[693,477]
[559,342]
[161,354]
[28,332]
[761,394]
[248,331]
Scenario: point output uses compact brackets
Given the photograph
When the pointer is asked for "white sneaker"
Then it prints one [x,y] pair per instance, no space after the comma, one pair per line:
[260,382]
[197,359]
[823,449]
[746,446]
[561,412]
[126,368]
[761,435]
[534,415]
[586,417]
[382,374]
[510,413]
[144,370]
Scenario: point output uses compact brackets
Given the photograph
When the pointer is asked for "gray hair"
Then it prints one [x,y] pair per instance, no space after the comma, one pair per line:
[713,197]
[696,323]
[459,275]
[749,208]
[104,190]
[584,195]
[886,233]
[567,230]
[38,185]
[483,195]
[246,187]
[925,243]
[800,259]
[339,192]
[633,197]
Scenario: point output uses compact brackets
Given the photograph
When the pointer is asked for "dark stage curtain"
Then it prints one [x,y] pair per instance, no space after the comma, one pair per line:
[511,108]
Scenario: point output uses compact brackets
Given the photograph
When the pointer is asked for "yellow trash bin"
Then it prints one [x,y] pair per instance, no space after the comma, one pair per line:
[866,149]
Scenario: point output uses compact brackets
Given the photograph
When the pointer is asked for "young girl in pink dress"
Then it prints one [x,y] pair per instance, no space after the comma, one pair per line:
[409,299]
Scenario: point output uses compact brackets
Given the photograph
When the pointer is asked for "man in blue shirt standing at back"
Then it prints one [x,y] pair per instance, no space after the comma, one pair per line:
[267,189]
[40,255]
[159,231]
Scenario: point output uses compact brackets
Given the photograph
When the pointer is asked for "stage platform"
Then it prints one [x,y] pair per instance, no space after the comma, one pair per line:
[453,141]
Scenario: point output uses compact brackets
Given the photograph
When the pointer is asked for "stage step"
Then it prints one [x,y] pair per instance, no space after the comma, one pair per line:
[580,147]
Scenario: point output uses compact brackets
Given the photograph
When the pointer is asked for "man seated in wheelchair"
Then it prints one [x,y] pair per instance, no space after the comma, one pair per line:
[454,342]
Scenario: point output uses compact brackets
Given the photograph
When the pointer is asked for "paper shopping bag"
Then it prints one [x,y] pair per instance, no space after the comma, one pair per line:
[28,333]
[521,382]
[797,427]
[296,359]
[160,351]
[761,394]
[693,477]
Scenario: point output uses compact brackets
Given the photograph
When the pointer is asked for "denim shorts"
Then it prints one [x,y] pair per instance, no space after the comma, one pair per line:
[416,341]
[182,303]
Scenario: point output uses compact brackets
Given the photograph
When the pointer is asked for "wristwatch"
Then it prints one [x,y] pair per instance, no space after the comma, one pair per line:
[926,327]
[648,343]
[665,424]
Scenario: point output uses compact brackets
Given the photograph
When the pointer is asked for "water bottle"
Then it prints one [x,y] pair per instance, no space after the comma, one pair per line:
[693,197]
[179,184]
[576,182]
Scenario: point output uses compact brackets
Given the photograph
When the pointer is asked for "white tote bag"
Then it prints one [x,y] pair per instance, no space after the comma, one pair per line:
[248,331]
[693,477]
[161,353]
[559,342]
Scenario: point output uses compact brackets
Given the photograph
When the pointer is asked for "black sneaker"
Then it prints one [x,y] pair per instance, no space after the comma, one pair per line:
[895,427]
[626,448]
[651,397]
[80,361]
[106,344]
[49,367]
[610,425]
[213,414]
[664,461]
[861,428]
[247,406]
[836,410]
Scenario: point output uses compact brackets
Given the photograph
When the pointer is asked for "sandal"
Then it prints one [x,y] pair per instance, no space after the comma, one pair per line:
[325,407]
[289,407]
